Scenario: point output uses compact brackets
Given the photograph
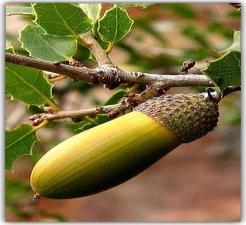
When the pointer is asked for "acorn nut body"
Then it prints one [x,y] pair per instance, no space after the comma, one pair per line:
[111,153]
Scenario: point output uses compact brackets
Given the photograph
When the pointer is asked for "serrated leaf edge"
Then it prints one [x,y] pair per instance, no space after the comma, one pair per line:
[105,14]
[17,14]
[214,61]
[74,34]
[31,148]
[233,39]
[30,54]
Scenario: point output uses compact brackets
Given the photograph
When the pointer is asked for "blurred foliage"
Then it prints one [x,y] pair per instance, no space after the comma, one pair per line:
[221,29]
[235,14]
[18,196]
[182,9]
[151,62]
[197,35]
[146,24]
[15,190]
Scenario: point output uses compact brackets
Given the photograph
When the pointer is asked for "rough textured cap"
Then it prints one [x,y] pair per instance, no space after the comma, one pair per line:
[189,116]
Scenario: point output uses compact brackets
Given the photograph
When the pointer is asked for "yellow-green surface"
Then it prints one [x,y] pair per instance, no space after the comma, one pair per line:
[102,157]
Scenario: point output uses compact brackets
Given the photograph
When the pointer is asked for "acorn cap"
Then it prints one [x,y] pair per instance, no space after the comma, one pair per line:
[189,116]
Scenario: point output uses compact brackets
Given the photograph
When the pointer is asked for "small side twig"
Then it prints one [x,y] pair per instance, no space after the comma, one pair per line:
[230,89]
[131,100]
[38,118]
[236,5]
[187,65]
[99,53]
[127,103]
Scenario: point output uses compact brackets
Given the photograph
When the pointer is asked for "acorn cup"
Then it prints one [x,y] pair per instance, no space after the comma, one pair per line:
[111,153]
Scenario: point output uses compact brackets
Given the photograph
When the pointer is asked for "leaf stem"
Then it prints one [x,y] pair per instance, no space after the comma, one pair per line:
[58,78]
[41,125]
[110,47]
[90,120]
[53,105]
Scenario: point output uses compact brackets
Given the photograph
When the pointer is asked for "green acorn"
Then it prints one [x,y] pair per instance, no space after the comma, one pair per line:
[111,153]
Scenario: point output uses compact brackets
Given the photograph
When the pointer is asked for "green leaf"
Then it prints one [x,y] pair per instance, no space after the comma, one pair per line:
[114,25]
[19,10]
[35,109]
[82,53]
[62,19]
[116,97]
[235,46]
[19,142]
[45,46]
[103,44]
[92,10]
[226,70]
[27,84]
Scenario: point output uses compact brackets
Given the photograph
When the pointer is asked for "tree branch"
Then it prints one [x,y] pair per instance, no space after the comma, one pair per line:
[109,75]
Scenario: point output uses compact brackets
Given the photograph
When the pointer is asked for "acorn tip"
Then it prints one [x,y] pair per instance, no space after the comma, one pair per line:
[35,197]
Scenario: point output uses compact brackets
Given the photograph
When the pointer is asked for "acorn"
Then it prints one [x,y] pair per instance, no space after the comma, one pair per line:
[111,153]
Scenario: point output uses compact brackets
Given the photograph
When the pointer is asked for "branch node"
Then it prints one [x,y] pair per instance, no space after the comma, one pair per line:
[75,63]
[113,113]
[49,110]
[99,108]
[108,76]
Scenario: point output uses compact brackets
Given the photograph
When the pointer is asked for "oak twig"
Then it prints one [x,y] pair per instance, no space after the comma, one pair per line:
[228,90]
[81,113]
[99,53]
[127,103]
[74,115]
[109,75]
[236,5]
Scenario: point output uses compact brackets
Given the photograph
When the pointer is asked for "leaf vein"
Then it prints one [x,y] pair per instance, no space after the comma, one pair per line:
[65,23]
[18,139]
[55,50]
[28,84]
